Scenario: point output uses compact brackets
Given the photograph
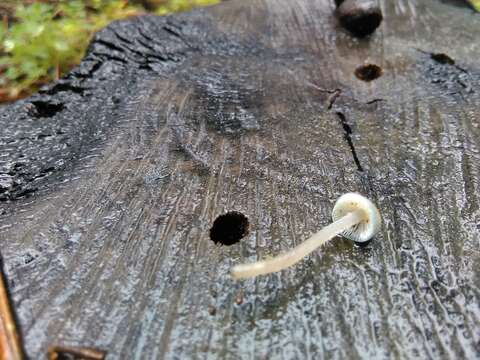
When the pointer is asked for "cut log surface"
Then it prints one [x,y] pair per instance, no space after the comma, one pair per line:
[111,179]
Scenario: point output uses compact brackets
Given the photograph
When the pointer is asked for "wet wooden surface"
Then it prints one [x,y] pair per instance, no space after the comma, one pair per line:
[111,179]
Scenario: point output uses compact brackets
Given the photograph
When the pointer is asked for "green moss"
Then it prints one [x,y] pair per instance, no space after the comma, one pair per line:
[46,40]
[171,6]
[475,4]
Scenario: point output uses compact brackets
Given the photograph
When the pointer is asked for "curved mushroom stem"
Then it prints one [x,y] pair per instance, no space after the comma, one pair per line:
[296,254]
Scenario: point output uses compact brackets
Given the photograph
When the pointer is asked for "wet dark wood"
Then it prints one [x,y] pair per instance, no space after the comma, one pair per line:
[111,179]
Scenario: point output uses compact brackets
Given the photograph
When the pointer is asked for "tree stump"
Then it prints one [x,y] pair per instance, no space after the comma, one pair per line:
[111,179]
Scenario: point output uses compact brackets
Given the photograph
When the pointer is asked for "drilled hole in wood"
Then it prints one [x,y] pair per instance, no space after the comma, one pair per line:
[229,228]
[368,72]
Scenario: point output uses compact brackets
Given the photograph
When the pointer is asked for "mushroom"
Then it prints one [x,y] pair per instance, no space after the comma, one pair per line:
[354,216]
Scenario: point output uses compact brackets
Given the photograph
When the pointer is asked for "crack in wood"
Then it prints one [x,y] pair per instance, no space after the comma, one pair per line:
[112,248]
[348,137]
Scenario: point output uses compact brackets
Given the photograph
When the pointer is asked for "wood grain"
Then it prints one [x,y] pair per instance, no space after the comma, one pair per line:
[111,179]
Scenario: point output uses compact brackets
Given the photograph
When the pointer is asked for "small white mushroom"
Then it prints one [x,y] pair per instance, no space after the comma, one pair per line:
[354,216]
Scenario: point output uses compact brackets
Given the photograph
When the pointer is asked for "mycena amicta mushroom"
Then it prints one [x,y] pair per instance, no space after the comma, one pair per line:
[354,217]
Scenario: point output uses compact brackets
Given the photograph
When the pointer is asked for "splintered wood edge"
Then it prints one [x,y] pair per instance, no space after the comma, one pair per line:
[10,343]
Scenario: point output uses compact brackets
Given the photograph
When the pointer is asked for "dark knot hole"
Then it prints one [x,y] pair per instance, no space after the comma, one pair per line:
[368,72]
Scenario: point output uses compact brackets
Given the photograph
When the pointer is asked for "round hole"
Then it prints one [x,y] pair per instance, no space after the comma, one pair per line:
[361,18]
[229,228]
[368,72]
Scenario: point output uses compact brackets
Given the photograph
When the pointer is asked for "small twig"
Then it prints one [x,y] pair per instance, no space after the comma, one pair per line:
[57,71]
[5,21]
[10,343]
[58,352]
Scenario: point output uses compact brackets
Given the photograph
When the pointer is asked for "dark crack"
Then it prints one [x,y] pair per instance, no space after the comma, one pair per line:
[374,101]
[63,86]
[348,136]
[106,56]
[110,45]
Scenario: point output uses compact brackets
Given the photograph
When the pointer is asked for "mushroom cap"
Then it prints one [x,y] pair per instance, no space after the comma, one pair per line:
[368,227]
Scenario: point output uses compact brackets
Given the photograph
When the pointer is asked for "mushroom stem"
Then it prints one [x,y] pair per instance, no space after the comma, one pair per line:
[296,254]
